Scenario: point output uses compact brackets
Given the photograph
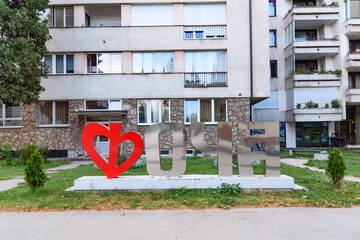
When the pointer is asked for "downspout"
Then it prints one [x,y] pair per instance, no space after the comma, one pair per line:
[251,61]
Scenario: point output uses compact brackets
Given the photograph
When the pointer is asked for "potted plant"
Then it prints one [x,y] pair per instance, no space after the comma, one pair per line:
[316,105]
[335,103]
[309,104]
[298,106]
[327,105]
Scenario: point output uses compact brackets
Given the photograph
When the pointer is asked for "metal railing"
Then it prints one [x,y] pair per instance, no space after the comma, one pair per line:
[315,39]
[218,79]
[308,6]
[205,32]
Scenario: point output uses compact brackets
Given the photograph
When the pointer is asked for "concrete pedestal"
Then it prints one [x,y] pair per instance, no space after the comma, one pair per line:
[187,181]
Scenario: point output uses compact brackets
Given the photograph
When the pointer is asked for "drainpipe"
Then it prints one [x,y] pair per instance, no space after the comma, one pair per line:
[251,61]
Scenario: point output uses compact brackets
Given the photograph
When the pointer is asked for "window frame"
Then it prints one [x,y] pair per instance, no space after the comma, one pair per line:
[212,110]
[205,62]
[4,118]
[276,69]
[274,1]
[153,64]
[53,63]
[53,124]
[53,16]
[148,106]
[275,37]
[109,105]
[97,63]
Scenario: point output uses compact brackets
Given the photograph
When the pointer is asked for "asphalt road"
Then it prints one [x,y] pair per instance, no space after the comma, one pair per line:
[270,223]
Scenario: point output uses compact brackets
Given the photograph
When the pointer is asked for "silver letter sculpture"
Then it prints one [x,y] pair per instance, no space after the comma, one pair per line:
[223,149]
[153,151]
[271,155]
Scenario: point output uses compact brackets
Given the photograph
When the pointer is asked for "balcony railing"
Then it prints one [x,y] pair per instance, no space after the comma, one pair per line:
[218,79]
[205,32]
[315,39]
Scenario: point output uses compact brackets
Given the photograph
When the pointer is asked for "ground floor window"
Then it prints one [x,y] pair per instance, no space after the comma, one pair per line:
[10,115]
[282,130]
[53,113]
[103,105]
[312,134]
[153,111]
[205,110]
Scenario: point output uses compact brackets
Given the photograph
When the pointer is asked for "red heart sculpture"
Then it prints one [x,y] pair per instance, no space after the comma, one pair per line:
[113,133]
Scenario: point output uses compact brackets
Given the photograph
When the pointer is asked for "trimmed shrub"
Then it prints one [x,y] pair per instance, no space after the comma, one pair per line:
[25,153]
[316,105]
[336,168]
[335,103]
[34,172]
[7,154]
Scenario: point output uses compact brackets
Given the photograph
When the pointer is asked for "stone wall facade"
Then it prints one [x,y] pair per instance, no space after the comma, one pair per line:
[69,138]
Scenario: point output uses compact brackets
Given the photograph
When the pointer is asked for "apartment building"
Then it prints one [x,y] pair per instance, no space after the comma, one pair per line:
[315,72]
[142,62]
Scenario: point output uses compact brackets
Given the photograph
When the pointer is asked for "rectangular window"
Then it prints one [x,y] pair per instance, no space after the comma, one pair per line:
[290,66]
[273,68]
[153,111]
[60,64]
[104,63]
[10,115]
[204,14]
[272,8]
[103,105]
[205,61]
[156,62]
[289,34]
[62,17]
[272,38]
[205,110]
[149,15]
[53,113]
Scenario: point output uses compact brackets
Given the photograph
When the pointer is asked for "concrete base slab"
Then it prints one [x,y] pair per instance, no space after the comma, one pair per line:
[98,183]
[321,156]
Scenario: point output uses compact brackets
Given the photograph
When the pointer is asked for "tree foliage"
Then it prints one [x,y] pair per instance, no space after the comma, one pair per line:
[34,172]
[336,167]
[23,35]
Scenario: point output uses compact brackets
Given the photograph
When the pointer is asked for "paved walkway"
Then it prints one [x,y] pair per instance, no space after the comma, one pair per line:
[9,184]
[270,223]
[300,162]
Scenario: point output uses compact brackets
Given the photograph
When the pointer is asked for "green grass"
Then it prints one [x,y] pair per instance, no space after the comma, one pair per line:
[352,160]
[11,172]
[297,154]
[53,197]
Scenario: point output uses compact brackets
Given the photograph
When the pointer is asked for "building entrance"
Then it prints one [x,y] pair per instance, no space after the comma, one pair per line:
[312,134]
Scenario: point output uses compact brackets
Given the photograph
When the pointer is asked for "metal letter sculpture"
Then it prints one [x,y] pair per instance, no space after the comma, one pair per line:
[153,152]
[113,133]
[224,148]
[197,131]
[271,155]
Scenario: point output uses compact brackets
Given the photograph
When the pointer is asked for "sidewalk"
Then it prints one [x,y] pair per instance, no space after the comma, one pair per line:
[300,162]
[12,183]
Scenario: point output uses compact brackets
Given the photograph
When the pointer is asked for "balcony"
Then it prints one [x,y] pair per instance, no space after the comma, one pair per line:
[205,32]
[306,49]
[352,27]
[314,115]
[353,62]
[313,80]
[218,79]
[104,15]
[313,14]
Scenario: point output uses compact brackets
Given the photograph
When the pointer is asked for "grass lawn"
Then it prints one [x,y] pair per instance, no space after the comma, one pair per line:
[352,161]
[11,172]
[53,197]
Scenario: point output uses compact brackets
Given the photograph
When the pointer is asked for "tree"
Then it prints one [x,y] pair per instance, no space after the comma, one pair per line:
[336,168]
[34,172]
[23,35]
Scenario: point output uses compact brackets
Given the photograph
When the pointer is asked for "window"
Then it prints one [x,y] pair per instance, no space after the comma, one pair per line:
[147,15]
[272,8]
[53,113]
[155,62]
[273,68]
[205,110]
[305,35]
[153,111]
[300,3]
[354,10]
[290,66]
[282,131]
[204,14]
[272,38]
[205,61]
[306,65]
[104,63]
[10,115]
[60,64]
[61,17]
[289,34]
[103,104]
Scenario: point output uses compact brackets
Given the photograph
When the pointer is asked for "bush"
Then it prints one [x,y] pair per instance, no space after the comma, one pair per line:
[327,105]
[34,173]
[309,104]
[335,103]
[7,154]
[316,105]
[298,106]
[25,153]
[336,168]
